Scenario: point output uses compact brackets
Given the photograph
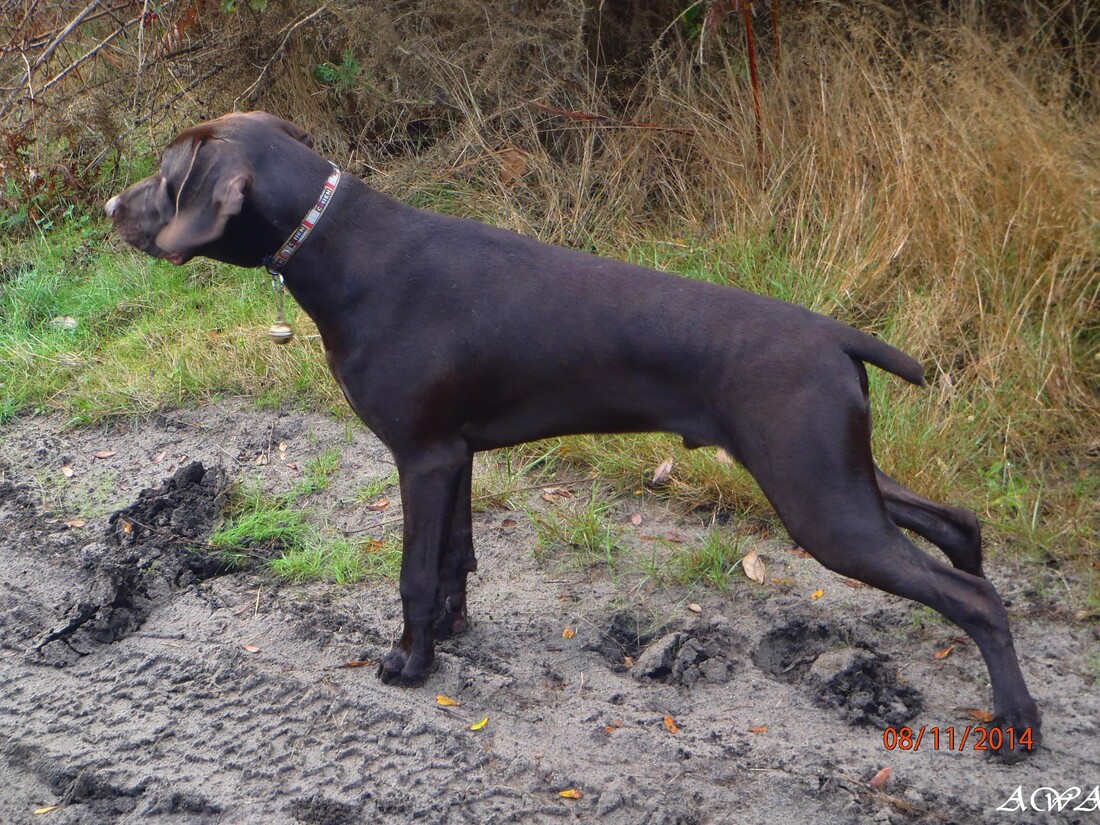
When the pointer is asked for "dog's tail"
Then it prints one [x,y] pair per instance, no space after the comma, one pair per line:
[870,349]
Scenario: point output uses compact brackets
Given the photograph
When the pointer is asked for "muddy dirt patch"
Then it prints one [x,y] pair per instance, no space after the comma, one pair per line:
[147,552]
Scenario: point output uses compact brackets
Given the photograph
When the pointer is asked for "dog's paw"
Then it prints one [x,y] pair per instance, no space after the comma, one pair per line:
[404,670]
[1015,736]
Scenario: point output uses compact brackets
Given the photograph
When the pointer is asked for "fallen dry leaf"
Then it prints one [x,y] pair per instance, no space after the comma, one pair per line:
[628,661]
[980,715]
[880,779]
[662,473]
[675,536]
[379,506]
[76,522]
[798,551]
[159,457]
[754,567]
[447,701]
[572,793]
[759,729]
[127,527]
[636,519]
[104,453]
[250,648]
[556,495]
[261,459]
[67,471]
[508,523]
[480,725]
[513,165]
[47,809]
[852,583]
[943,654]
[613,725]
[817,594]
[694,608]
[670,724]
[568,633]
[358,663]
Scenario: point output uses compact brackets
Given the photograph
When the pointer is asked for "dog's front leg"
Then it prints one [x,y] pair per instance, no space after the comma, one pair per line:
[430,481]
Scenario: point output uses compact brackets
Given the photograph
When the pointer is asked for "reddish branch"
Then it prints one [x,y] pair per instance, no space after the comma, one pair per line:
[746,14]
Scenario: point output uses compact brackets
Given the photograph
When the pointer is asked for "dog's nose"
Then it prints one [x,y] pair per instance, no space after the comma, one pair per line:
[111,206]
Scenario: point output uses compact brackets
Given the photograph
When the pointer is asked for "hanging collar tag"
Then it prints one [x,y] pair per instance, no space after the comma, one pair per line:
[281,332]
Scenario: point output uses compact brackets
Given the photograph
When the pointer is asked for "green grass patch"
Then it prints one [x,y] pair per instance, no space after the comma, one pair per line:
[99,332]
[258,525]
[712,562]
[275,530]
[581,531]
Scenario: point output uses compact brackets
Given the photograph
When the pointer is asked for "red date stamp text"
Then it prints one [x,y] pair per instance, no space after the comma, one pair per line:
[956,739]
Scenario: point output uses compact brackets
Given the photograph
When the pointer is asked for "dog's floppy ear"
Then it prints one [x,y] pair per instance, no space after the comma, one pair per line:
[296,132]
[209,191]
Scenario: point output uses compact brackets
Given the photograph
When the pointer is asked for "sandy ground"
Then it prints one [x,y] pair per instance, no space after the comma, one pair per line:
[139,682]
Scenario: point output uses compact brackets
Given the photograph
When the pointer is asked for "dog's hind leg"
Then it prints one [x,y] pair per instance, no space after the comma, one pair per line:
[458,562]
[952,529]
[812,459]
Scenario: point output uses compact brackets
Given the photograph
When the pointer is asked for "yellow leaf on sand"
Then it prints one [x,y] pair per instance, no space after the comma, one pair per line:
[250,648]
[670,724]
[981,715]
[943,654]
[47,809]
[447,701]
[817,594]
[572,793]
[568,633]
[480,725]
[759,729]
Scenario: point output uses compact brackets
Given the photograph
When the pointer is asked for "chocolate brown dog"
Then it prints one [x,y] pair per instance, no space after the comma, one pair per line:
[449,337]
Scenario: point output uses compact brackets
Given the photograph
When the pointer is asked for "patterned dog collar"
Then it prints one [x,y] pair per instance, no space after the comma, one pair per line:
[276,262]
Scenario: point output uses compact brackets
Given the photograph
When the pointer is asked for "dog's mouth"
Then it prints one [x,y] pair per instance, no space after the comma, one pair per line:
[177,258]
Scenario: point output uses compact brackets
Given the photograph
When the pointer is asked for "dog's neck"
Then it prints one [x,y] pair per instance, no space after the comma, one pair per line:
[279,259]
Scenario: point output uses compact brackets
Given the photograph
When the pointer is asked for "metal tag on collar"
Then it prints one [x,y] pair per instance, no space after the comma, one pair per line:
[281,332]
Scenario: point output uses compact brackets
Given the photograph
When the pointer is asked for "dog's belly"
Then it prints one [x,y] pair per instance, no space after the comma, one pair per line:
[586,410]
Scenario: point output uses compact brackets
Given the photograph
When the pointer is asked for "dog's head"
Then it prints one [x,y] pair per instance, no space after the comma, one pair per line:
[202,200]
